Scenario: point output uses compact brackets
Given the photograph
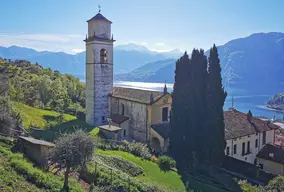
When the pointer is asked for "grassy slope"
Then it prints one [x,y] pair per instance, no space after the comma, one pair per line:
[39,118]
[11,181]
[153,174]
[42,118]
[18,174]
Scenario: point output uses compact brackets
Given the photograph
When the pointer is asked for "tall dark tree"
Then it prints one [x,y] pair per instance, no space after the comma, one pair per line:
[178,118]
[215,117]
[198,111]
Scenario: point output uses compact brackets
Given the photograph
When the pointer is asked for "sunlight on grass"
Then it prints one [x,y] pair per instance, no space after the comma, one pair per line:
[39,118]
[152,172]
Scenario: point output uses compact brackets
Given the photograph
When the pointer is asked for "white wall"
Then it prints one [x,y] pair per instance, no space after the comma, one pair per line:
[250,157]
[100,28]
[137,117]
[99,82]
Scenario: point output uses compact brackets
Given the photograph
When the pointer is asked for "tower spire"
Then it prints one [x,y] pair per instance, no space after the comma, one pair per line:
[151,98]
[233,102]
[165,88]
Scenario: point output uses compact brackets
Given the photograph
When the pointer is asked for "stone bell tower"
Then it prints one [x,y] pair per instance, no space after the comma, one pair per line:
[99,69]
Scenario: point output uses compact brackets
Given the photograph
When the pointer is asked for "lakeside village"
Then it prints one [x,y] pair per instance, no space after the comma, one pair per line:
[144,115]
[135,115]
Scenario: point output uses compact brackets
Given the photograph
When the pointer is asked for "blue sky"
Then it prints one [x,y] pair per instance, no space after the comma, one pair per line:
[60,25]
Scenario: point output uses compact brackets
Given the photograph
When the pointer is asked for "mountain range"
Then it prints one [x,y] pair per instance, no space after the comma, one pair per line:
[126,58]
[254,63]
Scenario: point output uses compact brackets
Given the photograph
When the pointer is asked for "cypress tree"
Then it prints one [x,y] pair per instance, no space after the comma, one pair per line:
[215,135]
[197,110]
[178,120]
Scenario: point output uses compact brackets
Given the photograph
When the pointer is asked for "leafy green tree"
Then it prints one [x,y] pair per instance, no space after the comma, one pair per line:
[44,89]
[71,152]
[275,185]
[9,118]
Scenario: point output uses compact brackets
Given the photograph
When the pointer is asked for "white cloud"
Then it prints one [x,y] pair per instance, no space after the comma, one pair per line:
[160,44]
[78,50]
[144,43]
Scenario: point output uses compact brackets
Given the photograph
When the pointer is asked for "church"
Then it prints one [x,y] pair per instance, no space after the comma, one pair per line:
[120,112]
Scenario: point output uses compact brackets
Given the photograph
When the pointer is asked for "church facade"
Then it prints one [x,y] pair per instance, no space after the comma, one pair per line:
[135,114]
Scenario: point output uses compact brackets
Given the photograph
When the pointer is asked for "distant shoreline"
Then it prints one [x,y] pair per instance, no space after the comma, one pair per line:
[276,108]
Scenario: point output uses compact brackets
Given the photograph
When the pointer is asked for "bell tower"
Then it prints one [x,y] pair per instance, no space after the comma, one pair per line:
[99,69]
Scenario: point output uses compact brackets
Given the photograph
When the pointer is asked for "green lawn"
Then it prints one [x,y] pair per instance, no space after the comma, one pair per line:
[152,172]
[47,120]
[39,118]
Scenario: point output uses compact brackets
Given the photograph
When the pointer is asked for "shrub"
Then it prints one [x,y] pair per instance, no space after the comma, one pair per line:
[166,163]
[120,164]
[138,149]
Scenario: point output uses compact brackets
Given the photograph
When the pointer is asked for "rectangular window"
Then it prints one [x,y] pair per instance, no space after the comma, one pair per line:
[263,138]
[256,143]
[243,148]
[122,109]
[165,114]
[248,147]
[235,149]
[103,118]
[228,151]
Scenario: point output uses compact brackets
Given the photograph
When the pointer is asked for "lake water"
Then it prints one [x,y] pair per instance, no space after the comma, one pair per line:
[242,101]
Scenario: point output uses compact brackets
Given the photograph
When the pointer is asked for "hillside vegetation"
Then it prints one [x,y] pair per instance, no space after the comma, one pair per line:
[276,102]
[43,88]
[18,174]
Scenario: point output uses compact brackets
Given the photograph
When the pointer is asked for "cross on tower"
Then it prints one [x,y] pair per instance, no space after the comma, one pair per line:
[99,8]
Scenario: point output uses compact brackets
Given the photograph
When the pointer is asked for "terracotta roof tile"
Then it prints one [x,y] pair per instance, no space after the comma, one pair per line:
[238,125]
[137,95]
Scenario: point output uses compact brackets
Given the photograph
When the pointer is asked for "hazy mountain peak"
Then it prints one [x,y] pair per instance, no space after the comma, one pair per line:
[132,47]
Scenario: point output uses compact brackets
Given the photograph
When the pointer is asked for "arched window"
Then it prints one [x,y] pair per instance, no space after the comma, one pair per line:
[103,56]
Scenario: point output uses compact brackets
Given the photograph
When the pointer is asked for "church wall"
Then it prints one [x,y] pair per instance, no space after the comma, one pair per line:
[137,114]
[156,115]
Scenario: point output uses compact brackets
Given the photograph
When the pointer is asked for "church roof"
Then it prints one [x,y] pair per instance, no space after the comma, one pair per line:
[137,95]
[99,16]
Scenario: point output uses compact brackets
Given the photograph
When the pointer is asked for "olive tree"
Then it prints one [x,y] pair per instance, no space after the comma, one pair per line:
[71,152]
